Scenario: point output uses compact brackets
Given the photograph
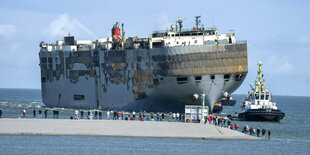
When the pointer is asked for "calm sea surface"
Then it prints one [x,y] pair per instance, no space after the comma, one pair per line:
[290,136]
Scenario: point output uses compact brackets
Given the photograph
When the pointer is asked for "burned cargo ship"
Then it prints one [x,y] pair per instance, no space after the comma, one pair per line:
[158,73]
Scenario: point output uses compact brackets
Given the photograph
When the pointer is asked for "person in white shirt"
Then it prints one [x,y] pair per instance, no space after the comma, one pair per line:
[108,115]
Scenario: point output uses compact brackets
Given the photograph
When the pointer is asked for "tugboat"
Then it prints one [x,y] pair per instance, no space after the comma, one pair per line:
[258,106]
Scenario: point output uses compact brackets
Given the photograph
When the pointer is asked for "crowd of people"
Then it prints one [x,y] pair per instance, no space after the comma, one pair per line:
[41,114]
[221,122]
[255,131]
[141,116]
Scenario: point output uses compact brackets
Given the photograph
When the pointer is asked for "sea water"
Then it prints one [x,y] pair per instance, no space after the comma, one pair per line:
[290,136]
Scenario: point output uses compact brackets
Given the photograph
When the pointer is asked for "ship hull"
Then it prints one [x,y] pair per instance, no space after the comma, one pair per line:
[162,79]
[261,115]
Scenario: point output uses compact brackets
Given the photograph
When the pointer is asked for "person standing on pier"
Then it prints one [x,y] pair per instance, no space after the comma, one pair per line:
[54,113]
[108,115]
[157,115]
[45,113]
[76,115]
[96,114]
[263,132]
[133,115]
[82,114]
[57,113]
[228,123]
[162,116]
[173,117]
[269,133]
[236,126]
[258,132]
[251,130]
[34,113]
[0,113]
[40,113]
[152,116]
[140,115]
[24,113]
[209,119]
[88,115]
[100,114]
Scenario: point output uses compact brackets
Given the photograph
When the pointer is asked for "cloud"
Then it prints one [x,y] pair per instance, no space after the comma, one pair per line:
[64,25]
[7,30]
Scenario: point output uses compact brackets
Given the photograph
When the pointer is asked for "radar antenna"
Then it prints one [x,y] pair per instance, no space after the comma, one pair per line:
[198,21]
[180,21]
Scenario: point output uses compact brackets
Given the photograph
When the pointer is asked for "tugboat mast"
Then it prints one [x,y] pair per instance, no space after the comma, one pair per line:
[259,83]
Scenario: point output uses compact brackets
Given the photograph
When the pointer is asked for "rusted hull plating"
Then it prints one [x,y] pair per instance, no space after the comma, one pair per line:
[158,79]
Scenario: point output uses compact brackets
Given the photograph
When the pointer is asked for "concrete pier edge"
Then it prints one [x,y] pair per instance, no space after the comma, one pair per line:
[118,128]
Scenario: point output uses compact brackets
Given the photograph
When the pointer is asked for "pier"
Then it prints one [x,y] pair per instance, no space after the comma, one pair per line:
[64,127]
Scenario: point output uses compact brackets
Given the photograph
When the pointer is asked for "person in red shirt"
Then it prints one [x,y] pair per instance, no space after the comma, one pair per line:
[236,126]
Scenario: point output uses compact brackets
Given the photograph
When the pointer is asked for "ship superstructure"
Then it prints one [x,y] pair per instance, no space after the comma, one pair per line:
[158,73]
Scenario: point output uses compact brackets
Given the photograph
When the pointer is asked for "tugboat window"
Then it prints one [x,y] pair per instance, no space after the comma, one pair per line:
[267,97]
[257,96]
[262,96]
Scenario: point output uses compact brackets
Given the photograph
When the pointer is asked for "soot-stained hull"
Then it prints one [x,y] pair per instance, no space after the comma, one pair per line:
[158,79]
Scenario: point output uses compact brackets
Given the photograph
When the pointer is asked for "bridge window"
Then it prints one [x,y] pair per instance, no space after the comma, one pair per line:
[256,96]
[226,76]
[267,97]
[262,96]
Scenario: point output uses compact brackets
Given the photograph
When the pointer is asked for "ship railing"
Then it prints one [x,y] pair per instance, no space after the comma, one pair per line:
[241,41]
[186,30]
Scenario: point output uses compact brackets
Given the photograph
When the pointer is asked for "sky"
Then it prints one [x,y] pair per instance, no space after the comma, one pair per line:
[277,33]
